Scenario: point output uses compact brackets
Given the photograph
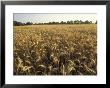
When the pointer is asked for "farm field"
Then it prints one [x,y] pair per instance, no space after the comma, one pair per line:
[61,49]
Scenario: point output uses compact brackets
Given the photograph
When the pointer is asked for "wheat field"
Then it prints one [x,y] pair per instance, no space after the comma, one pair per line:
[61,49]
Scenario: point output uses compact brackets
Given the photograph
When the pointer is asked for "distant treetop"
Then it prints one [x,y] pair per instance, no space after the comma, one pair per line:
[16,23]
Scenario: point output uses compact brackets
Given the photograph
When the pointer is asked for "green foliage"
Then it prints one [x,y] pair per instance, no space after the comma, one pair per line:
[15,23]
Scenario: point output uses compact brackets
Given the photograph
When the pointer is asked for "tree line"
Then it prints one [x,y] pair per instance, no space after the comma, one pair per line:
[16,23]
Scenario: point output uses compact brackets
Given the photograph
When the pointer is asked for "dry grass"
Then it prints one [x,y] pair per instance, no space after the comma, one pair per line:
[55,50]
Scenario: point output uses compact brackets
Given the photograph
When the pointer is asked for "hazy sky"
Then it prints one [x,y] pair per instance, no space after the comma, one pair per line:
[43,18]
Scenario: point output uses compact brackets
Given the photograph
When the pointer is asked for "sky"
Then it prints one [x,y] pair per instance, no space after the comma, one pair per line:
[48,17]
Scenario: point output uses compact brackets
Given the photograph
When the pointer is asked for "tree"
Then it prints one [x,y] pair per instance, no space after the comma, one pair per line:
[62,22]
[81,22]
[90,22]
[71,22]
[87,22]
[68,22]
[29,23]
[76,22]
[15,23]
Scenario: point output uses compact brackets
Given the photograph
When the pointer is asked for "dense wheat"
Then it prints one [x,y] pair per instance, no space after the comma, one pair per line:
[55,49]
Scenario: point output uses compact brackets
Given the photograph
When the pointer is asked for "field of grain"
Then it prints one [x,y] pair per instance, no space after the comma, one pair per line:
[55,49]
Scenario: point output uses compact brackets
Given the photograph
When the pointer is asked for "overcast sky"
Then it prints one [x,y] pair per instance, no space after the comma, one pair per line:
[43,18]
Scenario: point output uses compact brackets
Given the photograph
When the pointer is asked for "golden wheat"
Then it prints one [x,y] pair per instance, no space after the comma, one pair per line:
[55,49]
